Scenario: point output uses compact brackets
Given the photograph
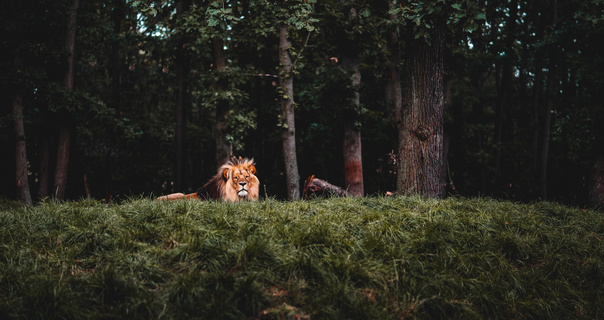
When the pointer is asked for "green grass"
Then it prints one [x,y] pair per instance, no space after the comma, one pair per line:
[369,258]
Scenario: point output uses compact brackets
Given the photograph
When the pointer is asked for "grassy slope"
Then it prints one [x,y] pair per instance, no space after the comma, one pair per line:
[370,258]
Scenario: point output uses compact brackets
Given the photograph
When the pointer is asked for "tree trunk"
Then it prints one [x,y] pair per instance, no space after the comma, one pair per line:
[504,93]
[420,166]
[353,162]
[43,175]
[64,142]
[22,182]
[224,149]
[353,159]
[596,188]
[395,74]
[288,134]
[115,61]
[182,69]
[552,89]
[395,63]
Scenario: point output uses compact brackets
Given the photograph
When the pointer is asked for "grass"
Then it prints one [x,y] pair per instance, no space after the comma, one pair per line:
[368,258]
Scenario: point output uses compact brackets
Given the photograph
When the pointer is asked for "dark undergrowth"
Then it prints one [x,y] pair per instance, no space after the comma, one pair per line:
[367,258]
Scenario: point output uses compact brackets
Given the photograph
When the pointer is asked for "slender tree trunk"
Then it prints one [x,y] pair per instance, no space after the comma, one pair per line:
[179,127]
[43,175]
[420,166]
[223,148]
[22,181]
[62,162]
[395,75]
[352,148]
[64,142]
[182,69]
[353,160]
[288,133]
[596,187]
[537,90]
[504,92]
[116,17]
[552,85]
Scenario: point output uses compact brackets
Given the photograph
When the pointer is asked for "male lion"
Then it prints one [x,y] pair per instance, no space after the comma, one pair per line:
[235,181]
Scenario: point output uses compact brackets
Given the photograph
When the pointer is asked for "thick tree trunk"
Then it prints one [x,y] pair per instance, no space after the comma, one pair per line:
[224,149]
[420,166]
[64,142]
[22,182]
[288,133]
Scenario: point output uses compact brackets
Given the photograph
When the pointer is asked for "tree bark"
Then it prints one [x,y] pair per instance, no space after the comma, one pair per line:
[395,76]
[352,147]
[395,63]
[182,70]
[22,181]
[288,133]
[420,125]
[596,187]
[552,89]
[64,142]
[224,149]
[43,175]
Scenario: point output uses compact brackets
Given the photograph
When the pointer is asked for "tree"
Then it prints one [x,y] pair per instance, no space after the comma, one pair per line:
[64,141]
[22,179]
[420,121]
[352,151]
[288,125]
[182,72]
[221,19]
[297,14]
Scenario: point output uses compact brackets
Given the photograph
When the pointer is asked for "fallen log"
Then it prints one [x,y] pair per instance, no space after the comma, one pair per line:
[315,187]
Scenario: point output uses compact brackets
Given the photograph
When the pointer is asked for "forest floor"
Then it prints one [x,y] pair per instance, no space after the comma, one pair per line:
[340,258]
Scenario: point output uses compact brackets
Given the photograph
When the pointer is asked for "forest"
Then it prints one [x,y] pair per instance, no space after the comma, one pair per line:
[107,99]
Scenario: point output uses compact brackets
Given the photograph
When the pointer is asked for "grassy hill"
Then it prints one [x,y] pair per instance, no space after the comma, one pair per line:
[369,258]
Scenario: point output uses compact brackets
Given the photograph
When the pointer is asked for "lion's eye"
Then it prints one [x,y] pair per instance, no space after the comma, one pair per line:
[234,178]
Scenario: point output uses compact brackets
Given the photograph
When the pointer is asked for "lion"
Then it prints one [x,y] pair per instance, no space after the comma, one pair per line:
[235,181]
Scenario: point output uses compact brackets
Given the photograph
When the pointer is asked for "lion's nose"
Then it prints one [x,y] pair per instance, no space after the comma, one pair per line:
[242,184]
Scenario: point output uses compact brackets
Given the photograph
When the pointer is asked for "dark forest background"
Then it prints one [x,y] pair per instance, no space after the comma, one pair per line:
[157,85]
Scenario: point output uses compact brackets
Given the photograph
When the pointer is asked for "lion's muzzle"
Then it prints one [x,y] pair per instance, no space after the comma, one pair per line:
[242,190]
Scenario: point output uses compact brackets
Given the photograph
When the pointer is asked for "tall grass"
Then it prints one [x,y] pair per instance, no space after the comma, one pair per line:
[367,258]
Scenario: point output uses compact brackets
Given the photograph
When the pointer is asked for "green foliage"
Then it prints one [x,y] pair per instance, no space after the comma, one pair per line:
[378,258]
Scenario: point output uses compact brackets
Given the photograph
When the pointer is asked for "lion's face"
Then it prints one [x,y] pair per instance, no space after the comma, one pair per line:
[241,182]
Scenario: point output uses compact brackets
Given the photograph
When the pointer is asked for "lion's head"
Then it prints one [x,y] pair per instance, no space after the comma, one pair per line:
[240,181]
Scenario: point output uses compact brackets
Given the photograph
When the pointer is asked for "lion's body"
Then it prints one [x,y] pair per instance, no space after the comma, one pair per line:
[235,181]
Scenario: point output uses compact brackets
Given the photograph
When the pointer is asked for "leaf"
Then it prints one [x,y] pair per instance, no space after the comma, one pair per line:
[481,16]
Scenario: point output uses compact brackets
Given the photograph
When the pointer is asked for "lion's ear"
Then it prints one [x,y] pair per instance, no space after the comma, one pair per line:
[252,170]
[225,173]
